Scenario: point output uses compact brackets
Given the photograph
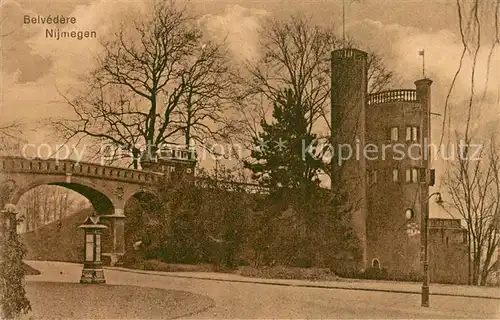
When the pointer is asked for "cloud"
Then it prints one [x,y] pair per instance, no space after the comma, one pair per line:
[35,67]
[239,26]
[72,57]
[17,56]
[399,46]
[39,66]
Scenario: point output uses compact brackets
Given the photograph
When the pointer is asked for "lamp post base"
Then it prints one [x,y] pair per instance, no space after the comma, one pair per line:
[425,296]
[92,276]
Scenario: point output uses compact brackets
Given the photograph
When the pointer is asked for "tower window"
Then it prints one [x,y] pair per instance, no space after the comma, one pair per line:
[167,154]
[412,134]
[372,177]
[395,175]
[411,175]
[394,134]
[423,175]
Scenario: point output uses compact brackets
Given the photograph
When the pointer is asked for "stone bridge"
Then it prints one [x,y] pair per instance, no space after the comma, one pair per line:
[107,188]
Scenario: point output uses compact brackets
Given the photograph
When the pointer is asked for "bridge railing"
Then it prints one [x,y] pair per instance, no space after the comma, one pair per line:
[70,167]
[85,169]
[230,186]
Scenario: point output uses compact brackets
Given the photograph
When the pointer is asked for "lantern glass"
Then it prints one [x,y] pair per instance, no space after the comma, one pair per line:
[89,247]
[98,247]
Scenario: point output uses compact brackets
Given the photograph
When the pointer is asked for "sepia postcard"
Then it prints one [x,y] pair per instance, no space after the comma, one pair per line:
[250,159]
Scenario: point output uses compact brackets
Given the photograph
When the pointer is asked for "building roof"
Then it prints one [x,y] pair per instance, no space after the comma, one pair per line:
[443,223]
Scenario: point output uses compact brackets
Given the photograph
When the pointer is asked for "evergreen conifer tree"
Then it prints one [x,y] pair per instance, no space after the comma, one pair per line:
[320,228]
[282,160]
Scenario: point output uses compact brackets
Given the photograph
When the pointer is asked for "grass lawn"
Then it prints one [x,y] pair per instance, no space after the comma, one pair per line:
[52,243]
[51,300]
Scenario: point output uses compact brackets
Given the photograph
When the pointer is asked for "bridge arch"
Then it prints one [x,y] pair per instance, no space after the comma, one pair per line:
[107,188]
[138,192]
[143,208]
[102,199]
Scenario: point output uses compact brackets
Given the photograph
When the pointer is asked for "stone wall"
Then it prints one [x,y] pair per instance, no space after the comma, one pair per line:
[448,249]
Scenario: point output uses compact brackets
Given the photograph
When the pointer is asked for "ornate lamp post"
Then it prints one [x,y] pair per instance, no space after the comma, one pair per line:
[425,244]
[92,264]
[425,247]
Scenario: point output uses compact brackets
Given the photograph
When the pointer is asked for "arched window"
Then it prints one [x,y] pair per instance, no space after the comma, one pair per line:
[376,263]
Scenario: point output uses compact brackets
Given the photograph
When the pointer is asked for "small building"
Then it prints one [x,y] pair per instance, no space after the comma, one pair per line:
[448,249]
[173,159]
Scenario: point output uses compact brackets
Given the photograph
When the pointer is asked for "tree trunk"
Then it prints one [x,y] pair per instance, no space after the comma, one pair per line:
[469,276]
[476,268]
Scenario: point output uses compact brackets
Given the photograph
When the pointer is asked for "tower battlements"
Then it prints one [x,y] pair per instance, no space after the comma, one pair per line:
[349,53]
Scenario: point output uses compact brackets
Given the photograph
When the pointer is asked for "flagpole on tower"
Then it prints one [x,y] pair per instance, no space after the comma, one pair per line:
[422,53]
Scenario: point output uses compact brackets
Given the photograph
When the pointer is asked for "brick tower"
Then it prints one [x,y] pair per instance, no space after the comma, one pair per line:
[397,179]
[348,96]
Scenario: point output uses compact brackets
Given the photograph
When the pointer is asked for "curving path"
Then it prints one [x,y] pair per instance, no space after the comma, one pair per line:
[251,301]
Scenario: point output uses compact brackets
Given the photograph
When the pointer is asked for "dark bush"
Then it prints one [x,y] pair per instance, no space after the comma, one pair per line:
[375,274]
[411,276]
[13,298]
[282,272]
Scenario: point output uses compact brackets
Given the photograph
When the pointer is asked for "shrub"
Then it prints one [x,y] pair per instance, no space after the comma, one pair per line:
[13,298]
[375,274]
[283,272]
[411,276]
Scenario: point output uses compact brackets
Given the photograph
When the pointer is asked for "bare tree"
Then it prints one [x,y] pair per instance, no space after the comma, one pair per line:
[32,210]
[473,181]
[46,204]
[296,55]
[10,132]
[479,26]
[159,82]
[205,107]
[10,135]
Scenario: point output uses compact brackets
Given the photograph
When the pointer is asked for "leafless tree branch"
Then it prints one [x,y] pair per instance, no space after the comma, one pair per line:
[155,84]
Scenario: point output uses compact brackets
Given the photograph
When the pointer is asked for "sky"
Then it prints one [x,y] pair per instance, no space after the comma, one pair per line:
[34,69]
